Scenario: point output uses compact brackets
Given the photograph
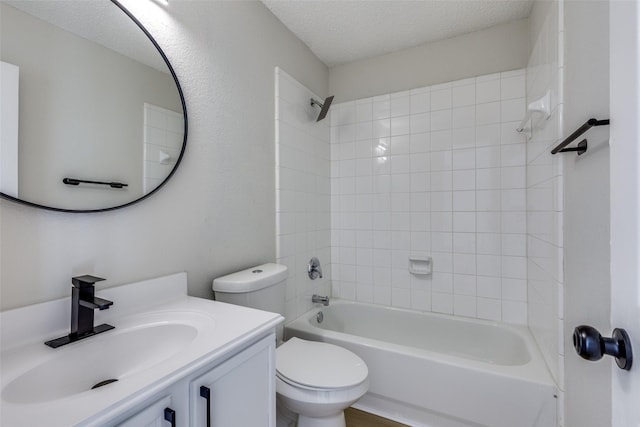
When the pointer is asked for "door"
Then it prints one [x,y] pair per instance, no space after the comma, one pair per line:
[157,414]
[625,201]
[9,97]
[238,392]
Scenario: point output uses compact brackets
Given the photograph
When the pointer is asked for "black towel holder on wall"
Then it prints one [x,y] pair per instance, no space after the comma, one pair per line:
[75,181]
[582,146]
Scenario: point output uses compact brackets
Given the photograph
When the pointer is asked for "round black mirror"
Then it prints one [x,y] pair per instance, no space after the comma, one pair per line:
[93,116]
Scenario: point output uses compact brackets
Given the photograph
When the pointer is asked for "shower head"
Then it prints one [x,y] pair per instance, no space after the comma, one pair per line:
[324,107]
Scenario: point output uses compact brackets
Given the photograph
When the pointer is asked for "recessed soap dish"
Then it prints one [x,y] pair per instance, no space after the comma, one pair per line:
[420,265]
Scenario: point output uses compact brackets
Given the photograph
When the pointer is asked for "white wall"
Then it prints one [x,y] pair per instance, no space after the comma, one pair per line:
[217,214]
[586,209]
[545,274]
[436,171]
[303,190]
[499,48]
[568,202]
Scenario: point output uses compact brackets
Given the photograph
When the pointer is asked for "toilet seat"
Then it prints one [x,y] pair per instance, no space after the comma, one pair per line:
[318,365]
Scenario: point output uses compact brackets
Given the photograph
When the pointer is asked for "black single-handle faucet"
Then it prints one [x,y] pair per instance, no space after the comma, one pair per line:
[83,304]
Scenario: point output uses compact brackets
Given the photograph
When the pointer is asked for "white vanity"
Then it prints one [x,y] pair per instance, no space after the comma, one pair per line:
[178,360]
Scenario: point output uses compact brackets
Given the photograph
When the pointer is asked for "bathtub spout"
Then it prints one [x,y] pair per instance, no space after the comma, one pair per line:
[317,299]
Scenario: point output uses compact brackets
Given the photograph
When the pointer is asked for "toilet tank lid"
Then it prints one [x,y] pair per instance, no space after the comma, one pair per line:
[251,279]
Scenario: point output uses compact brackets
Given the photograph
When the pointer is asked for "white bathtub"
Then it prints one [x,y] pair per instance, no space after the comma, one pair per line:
[439,371]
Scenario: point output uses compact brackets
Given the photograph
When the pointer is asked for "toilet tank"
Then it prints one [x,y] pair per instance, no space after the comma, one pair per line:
[261,287]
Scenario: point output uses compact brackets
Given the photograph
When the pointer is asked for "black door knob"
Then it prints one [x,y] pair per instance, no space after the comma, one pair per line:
[590,345]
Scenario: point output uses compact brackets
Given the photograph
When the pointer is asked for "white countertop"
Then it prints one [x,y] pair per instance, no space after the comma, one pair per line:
[222,329]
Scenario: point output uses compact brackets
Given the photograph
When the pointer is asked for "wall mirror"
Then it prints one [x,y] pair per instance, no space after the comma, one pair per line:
[93,116]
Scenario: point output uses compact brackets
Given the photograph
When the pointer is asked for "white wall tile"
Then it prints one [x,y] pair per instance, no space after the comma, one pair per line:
[488,113]
[465,95]
[441,120]
[464,201]
[434,171]
[489,287]
[400,106]
[512,87]
[400,144]
[488,179]
[464,222]
[464,243]
[514,312]
[442,303]
[487,91]
[381,109]
[420,123]
[441,242]
[513,109]
[489,309]
[489,243]
[464,159]
[364,111]
[441,180]
[400,125]
[463,137]
[441,99]
[464,305]
[381,128]
[441,160]
[463,117]
[464,180]
[488,135]
[441,140]
[420,102]
[364,130]
[420,142]
[464,264]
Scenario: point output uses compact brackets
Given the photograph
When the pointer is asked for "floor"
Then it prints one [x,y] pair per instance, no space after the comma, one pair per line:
[357,418]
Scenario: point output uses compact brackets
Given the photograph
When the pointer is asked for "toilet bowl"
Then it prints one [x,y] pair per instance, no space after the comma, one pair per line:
[318,381]
[315,380]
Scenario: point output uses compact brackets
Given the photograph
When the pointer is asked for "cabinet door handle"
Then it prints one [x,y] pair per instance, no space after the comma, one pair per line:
[170,415]
[206,393]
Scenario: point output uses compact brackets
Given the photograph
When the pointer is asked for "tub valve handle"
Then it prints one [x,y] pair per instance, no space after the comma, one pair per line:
[314,269]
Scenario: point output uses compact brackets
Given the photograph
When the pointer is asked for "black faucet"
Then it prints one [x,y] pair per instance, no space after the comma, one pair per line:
[83,304]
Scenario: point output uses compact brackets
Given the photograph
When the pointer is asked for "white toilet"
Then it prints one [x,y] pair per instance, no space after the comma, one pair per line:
[315,380]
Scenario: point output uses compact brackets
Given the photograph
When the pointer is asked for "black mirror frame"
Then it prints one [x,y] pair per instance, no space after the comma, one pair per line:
[184,141]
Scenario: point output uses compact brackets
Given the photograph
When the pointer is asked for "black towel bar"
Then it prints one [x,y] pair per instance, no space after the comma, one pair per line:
[582,147]
[74,181]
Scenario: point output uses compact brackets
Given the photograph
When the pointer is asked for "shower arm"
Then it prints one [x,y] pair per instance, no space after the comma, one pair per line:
[318,103]
[324,106]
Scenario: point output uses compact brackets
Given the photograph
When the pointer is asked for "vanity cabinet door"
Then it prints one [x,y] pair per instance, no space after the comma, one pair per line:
[153,415]
[238,392]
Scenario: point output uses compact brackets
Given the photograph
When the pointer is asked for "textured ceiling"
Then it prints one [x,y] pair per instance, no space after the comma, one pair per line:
[98,21]
[340,31]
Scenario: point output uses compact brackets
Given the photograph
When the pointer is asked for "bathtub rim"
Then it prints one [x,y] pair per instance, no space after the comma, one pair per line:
[535,370]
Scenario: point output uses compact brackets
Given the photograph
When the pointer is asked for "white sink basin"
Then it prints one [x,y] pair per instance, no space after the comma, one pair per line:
[113,355]
[161,336]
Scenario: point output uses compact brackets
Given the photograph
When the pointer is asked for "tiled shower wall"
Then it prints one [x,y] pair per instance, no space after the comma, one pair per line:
[302,192]
[163,136]
[545,196]
[436,171]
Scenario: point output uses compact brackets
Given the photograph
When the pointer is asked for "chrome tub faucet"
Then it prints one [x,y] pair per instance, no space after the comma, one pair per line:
[317,299]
